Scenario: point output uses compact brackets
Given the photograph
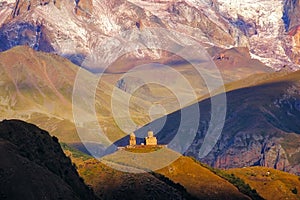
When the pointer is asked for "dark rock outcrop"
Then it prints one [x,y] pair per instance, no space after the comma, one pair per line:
[33,165]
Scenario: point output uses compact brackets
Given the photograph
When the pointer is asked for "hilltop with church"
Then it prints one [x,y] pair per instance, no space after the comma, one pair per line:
[149,141]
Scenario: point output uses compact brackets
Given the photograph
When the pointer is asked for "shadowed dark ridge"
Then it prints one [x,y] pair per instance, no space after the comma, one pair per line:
[33,165]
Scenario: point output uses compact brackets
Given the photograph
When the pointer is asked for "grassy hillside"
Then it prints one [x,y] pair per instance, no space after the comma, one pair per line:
[197,179]
[35,86]
[109,183]
[200,181]
[269,183]
[184,175]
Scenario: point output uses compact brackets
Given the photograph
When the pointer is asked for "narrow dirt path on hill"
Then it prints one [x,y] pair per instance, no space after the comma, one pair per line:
[61,97]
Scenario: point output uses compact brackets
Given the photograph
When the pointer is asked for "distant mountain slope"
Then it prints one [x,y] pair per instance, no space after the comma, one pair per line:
[33,166]
[35,86]
[261,127]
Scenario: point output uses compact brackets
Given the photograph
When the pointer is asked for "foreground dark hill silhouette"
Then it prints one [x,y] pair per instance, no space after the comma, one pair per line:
[33,166]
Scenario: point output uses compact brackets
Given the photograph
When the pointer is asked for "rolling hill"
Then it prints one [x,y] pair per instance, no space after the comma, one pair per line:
[108,182]
[35,86]
[38,87]
[199,180]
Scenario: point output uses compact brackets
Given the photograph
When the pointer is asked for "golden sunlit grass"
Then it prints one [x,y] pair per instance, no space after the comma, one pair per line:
[146,149]
[199,180]
[271,184]
[108,182]
[196,179]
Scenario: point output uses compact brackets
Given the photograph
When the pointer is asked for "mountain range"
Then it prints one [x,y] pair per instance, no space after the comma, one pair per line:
[77,29]
[216,81]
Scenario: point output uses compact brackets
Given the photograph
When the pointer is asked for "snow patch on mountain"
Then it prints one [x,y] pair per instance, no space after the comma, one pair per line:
[266,18]
[8,1]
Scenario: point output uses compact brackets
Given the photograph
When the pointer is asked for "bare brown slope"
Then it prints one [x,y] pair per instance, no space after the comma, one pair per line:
[36,85]
[34,80]
[33,166]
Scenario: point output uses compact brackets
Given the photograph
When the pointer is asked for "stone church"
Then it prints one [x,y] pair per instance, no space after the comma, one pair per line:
[149,140]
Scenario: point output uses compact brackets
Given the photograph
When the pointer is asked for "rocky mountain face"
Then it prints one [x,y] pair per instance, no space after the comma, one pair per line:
[292,23]
[76,29]
[264,134]
[259,132]
[265,26]
[33,165]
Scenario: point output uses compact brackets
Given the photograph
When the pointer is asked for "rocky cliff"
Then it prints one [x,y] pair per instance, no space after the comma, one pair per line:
[292,26]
